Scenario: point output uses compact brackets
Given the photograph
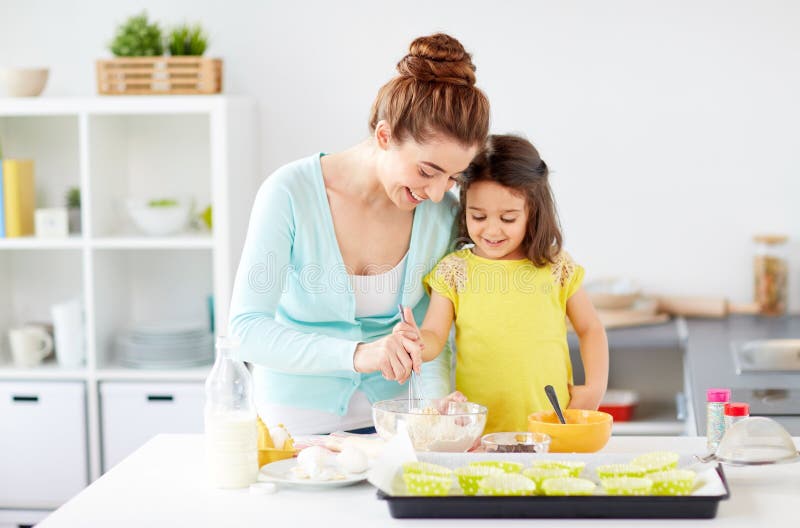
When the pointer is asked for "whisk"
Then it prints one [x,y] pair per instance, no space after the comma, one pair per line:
[414,383]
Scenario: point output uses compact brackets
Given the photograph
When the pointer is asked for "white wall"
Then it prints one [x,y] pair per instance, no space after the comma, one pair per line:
[671,127]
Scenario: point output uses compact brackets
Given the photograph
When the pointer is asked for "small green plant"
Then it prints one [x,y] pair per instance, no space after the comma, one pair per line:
[164,202]
[186,40]
[137,37]
[74,198]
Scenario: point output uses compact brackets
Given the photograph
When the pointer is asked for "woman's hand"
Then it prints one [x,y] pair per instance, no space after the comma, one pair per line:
[409,331]
[394,356]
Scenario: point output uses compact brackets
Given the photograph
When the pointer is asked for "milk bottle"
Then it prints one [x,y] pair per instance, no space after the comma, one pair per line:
[231,433]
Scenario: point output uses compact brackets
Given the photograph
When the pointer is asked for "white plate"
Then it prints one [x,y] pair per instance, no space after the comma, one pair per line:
[281,473]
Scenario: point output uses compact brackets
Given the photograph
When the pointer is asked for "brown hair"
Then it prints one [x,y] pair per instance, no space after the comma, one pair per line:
[434,93]
[514,162]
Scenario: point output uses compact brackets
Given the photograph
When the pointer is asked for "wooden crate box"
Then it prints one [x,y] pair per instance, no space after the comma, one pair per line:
[159,75]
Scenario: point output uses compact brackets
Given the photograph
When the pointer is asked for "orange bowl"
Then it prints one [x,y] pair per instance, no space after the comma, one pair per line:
[584,432]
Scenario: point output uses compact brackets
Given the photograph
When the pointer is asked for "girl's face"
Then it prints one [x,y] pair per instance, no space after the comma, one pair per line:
[412,172]
[497,221]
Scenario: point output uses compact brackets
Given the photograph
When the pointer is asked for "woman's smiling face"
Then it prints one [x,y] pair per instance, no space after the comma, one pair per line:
[497,220]
[412,172]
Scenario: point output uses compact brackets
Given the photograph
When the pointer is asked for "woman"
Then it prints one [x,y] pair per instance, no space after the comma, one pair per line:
[337,241]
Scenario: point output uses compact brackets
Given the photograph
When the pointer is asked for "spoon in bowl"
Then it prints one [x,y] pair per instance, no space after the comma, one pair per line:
[551,395]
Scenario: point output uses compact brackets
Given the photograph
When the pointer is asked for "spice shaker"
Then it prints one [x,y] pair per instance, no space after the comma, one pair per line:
[770,273]
[715,416]
[735,412]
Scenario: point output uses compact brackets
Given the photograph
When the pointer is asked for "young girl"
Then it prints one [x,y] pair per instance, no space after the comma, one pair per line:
[510,292]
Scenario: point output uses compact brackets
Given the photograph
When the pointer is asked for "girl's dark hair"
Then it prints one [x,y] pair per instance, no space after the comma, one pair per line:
[434,92]
[513,162]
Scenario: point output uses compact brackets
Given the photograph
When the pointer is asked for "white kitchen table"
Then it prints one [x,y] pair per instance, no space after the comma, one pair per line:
[163,484]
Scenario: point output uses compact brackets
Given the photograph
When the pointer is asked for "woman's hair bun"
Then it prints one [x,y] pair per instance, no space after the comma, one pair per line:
[438,58]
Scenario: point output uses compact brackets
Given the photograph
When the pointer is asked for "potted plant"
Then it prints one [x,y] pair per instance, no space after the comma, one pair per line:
[74,209]
[140,67]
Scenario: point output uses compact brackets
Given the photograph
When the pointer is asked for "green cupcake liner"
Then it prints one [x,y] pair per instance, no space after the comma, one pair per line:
[627,485]
[657,461]
[539,475]
[568,486]
[673,482]
[470,476]
[507,484]
[508,467]
[575,467]
[620,470]
[426,468]
[427,485]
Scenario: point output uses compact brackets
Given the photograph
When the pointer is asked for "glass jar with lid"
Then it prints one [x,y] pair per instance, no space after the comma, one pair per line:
[770,273]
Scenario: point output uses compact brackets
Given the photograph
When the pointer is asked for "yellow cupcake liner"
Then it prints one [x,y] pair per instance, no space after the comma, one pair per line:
[508,467]
[470,476]
[507,484]
[627,485]
[673,482]
[568,486]
[575,467]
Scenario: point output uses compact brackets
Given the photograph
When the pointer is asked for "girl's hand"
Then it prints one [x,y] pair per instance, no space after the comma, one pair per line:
[409,331]
[584,397]
[455,397]
[391,355]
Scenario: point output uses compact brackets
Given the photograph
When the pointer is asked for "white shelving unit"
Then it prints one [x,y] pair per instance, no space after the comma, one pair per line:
[113,148]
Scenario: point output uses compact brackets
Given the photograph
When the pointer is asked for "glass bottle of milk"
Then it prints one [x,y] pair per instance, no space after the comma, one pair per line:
[231,434]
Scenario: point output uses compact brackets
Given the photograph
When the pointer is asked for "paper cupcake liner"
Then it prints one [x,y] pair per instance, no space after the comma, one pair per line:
[427,485]
[574,467]
[568,486]
[673,482]
[470,476]
[657,461]
[508,467]
[619,470]
[507,484]
[540,475]
[426,468]
[627,485]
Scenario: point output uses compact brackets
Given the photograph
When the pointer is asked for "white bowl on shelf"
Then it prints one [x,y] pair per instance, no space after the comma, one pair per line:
[159,220]
[23,82]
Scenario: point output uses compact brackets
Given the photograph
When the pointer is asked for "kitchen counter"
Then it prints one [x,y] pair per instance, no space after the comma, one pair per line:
[162,484]
[710,361]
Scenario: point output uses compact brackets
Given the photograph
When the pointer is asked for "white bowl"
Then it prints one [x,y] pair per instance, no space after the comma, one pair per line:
[161,220]
[23,82]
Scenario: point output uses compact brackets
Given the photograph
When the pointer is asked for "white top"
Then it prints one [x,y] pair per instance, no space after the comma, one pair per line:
[378,294]
[375,295]
[163,484]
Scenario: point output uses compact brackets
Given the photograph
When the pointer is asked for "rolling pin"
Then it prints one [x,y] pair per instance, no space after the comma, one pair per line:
[703,306]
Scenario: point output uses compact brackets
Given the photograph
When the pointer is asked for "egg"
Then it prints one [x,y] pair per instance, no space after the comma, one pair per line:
[313,461]
[352,460]
[279,436]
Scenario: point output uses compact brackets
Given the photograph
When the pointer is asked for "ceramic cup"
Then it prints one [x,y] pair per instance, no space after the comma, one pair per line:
[29,345]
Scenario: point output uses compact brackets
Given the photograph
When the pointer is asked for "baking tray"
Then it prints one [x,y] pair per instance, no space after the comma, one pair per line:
[539,506]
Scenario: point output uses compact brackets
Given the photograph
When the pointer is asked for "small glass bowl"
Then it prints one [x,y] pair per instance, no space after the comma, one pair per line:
[516,442]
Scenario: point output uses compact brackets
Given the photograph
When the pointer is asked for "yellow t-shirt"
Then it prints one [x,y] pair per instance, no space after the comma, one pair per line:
[511,333]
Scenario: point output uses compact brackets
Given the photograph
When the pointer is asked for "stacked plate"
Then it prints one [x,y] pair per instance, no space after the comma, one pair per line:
[166,346]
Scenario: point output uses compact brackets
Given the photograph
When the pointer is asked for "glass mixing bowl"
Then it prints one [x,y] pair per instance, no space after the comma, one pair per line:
[433,425]
[754,441]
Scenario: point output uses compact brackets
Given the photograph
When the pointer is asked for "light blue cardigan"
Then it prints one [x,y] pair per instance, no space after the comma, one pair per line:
[293,307]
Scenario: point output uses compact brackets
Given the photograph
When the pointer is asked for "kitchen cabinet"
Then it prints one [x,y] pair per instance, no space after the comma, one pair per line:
[132,413]
[43,456]
[112,148]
